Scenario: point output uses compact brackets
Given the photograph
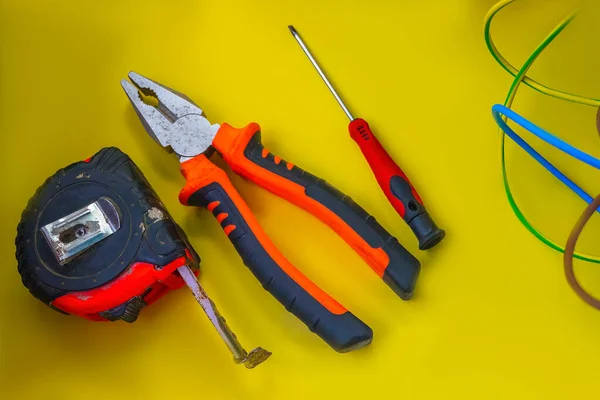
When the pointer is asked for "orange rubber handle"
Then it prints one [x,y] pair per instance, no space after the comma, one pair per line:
[243,150]
[209,186]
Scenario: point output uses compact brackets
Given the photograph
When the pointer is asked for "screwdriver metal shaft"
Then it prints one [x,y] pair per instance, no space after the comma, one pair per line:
[250,360]
[320,71]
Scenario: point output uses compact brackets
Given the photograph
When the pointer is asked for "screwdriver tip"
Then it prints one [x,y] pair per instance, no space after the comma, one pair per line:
[293,30]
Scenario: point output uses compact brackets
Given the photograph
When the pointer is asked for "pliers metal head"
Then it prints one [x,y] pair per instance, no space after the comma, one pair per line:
[171,118]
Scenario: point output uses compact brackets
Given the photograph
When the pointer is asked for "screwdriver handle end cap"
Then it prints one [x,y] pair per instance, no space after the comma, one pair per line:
[425,229]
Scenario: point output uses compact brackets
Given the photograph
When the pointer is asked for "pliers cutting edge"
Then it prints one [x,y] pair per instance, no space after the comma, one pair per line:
[178,123]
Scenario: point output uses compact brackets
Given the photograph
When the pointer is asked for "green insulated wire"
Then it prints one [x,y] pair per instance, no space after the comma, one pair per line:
[513,71]
[521,77]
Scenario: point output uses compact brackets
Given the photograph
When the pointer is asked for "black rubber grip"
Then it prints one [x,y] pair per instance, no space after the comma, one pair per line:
[416,216]
[343,332]
[403,269]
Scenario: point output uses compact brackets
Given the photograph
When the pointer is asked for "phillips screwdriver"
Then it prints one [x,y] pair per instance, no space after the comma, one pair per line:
[394,183]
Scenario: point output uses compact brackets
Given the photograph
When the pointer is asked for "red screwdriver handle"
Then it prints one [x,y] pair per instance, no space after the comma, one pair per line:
[396,186]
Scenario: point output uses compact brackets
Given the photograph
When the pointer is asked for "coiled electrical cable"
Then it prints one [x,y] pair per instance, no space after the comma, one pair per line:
[502,113]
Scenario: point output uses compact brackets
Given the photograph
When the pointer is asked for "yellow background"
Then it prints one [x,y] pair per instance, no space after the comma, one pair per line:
[493,316]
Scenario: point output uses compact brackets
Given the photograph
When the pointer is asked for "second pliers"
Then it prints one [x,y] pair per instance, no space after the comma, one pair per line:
[178,123]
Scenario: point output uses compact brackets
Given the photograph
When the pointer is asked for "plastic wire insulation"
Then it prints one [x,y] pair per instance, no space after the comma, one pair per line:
[519,77]
[513,71]
[598,121]
[498,111]
[569,254]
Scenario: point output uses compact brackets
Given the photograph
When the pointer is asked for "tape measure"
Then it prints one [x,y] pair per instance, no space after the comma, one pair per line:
[96,241]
